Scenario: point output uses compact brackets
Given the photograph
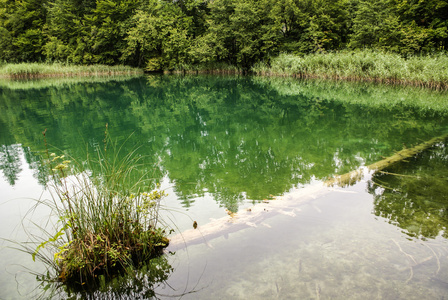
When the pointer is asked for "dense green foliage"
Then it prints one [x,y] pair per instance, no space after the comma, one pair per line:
[160,34]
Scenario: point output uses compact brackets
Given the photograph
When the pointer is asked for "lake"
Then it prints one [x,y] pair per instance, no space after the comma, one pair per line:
[247,158]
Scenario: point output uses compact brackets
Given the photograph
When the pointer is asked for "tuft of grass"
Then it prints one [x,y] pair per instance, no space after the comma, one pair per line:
[362,65]
[107,216]
[38,70]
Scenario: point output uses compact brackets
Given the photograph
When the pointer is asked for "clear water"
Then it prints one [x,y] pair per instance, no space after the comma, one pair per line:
[221,145]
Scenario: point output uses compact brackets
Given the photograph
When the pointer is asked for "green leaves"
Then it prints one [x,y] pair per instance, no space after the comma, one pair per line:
[177,35]
[159,36]
[52,240]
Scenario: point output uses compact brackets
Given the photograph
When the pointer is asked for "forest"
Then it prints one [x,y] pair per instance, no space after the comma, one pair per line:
[185,34]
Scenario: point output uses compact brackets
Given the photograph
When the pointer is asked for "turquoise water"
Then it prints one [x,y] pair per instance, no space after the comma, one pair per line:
[220,145]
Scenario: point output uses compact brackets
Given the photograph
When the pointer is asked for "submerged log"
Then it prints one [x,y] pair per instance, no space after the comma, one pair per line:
[255,216]
[356,175]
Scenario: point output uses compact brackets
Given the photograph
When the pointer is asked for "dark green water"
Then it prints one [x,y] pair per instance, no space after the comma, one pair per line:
[221,143]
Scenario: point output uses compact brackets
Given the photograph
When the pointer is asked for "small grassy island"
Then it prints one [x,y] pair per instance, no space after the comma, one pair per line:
[107,222]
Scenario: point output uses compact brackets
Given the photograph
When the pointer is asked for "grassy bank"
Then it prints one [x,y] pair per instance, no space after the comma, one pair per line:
[428,71]
[44,70]
[367,65]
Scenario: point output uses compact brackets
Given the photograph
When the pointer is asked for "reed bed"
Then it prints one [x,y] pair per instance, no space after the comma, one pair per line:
[43,70]
[367,65]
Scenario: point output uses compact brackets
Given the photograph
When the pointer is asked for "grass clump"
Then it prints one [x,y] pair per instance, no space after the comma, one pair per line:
[107,216]
[366,65]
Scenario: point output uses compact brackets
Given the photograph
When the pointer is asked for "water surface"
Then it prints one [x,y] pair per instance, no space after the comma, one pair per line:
[220,145]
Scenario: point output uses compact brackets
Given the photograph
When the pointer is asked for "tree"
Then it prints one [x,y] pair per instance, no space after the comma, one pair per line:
[310,26]
[376,25]
[21,24]
[327,27]
[67,32]
[107,33]
[425,23]
[166,35]
[241,32]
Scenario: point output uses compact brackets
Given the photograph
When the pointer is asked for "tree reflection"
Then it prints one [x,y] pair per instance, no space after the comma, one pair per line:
[236,138]
[10,163]
[414,194]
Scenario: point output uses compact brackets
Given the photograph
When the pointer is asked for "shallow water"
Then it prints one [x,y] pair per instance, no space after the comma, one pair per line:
[334,248]
[220,145]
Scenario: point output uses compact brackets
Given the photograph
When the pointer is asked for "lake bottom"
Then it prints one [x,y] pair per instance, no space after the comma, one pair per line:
[333,248]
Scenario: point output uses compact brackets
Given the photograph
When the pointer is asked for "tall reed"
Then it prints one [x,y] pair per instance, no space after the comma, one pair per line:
[366,65]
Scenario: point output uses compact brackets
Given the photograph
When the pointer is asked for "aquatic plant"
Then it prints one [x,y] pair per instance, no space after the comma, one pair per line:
[140,283]
[107,215]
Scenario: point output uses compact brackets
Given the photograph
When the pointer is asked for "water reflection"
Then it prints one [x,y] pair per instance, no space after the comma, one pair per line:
[413,194]
[135,284]
[235,138]
[10,162]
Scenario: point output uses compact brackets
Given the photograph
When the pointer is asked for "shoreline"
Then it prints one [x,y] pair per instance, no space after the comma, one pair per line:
[442,86]
[428,71]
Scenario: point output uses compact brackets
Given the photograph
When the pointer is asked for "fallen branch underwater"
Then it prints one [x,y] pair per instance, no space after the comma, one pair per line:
[287,204]
[356,175]
[250,217]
